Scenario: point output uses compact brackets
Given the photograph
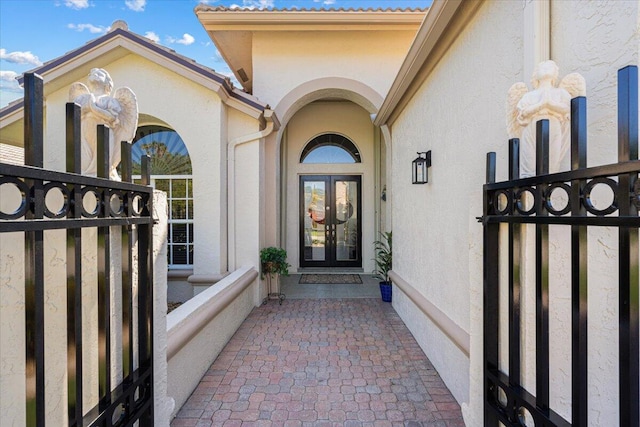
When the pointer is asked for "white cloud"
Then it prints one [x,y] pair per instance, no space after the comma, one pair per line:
[152,36]
[89,27]
[77,4]
[20,57]
[186,39]
[136,5]
[253,4]
[8,81]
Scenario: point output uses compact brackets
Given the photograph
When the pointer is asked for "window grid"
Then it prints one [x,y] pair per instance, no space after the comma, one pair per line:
[179,189]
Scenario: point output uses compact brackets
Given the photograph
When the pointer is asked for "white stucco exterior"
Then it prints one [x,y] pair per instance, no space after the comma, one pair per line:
[393,90]
[285,60]
[457,110]
[293,69]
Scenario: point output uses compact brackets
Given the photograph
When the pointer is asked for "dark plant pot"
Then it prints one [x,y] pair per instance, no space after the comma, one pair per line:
[385,291]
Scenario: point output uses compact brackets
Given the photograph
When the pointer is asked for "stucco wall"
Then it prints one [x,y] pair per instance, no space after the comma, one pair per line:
[459,113]
[198,330]
[290,67]
[602,38]
[347,119]
[195,113]
[284,60]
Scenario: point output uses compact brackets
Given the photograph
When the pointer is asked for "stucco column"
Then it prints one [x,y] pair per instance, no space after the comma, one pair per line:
[163,405]
[209,177]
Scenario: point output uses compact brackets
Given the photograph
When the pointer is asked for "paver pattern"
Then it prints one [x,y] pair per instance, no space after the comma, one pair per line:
[331,362]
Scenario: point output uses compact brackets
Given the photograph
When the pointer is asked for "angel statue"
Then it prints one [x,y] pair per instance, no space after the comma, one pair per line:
[546,101]
[118,112]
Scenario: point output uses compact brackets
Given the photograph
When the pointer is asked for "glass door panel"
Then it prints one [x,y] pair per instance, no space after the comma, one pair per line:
[330,221]
[314,223]
[346,220]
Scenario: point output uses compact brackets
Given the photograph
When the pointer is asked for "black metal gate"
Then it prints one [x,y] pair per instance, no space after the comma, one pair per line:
[505,400]
[116,207]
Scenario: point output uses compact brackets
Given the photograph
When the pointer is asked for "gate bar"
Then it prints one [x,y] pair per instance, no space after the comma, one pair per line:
[628,241]
[104,269]
[514,274]
[127,273]
[145,291]
[542,271]
[491,301]
[579,307]
[74,270]
[34,255]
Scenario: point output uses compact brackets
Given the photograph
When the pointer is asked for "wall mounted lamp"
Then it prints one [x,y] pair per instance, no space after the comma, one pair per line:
[420,168]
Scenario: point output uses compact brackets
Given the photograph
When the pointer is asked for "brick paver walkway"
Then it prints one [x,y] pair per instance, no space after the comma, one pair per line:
[332,362]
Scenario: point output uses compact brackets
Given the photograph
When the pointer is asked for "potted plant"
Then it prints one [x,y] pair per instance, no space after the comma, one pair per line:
[273,262]
[383,260]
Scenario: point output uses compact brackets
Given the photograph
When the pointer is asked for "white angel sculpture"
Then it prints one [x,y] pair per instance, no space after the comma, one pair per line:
[545,101]
[118,112]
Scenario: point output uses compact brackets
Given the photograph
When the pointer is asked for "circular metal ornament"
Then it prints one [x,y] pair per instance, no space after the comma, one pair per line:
[118,415]
[83,193]
[502,202]
[24,191]
[635,197]
[116,203]
[549,204]
[137,204]
[520,207]
[66,194]
[525,418]
[588,204]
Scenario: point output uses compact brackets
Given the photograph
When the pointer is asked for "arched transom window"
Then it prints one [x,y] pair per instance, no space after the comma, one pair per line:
[170,172]
[330,148]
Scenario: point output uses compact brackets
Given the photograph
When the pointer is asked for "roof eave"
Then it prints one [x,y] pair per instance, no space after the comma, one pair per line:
[261,20]
[121,42]
[223,25]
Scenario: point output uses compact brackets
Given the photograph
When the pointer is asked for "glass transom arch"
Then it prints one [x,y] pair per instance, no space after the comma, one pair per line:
[330,148]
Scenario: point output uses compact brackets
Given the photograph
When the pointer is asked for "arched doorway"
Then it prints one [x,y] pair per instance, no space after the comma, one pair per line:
[330,208]
[328,153]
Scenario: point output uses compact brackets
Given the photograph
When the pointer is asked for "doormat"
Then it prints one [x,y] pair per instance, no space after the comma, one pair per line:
[330,279]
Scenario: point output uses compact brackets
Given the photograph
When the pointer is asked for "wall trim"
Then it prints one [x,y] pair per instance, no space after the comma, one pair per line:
[454,332]
[186,321]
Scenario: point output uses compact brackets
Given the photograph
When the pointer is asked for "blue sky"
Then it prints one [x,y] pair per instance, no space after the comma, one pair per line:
[36,31]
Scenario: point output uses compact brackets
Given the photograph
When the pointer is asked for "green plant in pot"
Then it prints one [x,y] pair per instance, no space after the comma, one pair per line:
[273,262]
[383,259]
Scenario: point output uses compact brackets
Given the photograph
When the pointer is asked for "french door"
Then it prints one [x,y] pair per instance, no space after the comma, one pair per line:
[330,221]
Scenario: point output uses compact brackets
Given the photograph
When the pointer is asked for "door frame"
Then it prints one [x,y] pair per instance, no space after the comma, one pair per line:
[330,260]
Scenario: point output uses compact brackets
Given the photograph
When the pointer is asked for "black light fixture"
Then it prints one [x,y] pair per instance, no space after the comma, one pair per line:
[420,168]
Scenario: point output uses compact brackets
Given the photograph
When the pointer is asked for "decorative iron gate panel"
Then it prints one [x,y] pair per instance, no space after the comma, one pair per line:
[505,399]
[118,207]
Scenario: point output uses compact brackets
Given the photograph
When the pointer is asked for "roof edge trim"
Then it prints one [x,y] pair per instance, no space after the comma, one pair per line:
[441,26]
[223,82]
[285,20]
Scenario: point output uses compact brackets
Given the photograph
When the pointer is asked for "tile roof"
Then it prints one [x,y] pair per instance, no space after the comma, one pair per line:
[123,31]
[208,8]
[11,154]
